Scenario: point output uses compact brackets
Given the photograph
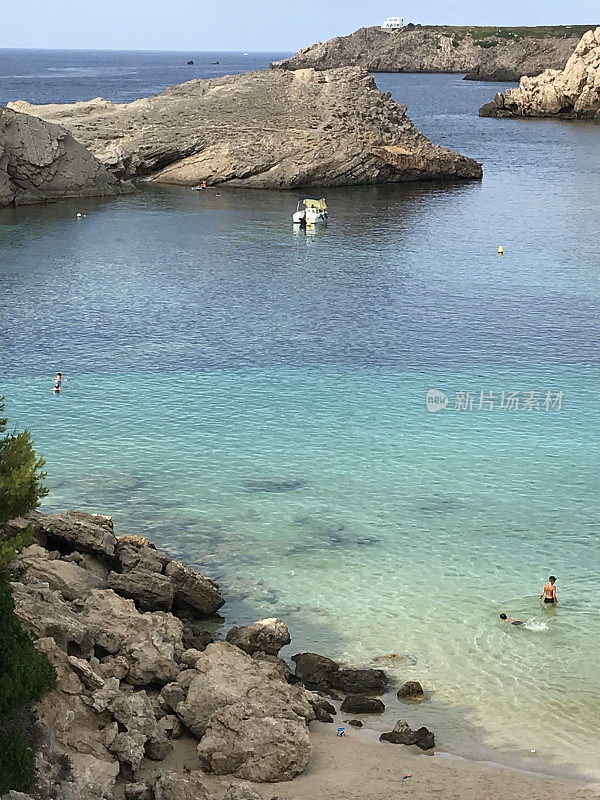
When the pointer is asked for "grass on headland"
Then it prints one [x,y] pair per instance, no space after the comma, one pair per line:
[488,35]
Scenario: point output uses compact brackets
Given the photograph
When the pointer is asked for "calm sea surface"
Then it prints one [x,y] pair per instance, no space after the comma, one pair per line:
[254,399]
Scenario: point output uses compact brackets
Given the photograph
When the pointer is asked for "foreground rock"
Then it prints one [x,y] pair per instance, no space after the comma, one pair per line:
[497,54]
[411,691]
[263,636]
[270,129]
[403,734]
[40,161]
[78,552]
[571,93]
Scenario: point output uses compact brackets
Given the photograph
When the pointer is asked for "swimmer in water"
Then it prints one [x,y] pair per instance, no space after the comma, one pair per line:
[58,381]
[512,620]
[549,591]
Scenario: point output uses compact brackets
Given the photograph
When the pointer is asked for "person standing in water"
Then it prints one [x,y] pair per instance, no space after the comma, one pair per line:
[549,591]
[58,381]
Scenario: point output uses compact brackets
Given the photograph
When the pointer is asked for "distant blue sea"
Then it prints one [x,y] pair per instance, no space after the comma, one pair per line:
[254,398]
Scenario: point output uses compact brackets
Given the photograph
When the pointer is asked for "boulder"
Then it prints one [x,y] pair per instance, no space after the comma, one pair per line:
[403,734]
[175,786]
[66,577]
[359,681]
[360,704]
[265,636]
[235,129]
[150,591]
[356,723]
[192,591]
[241,791]
[108,624]
[225,675]
[129,749]
[411,691]
[313,669]
[41,161]
[75,530]
[251,743]
[251,722]
[137,791]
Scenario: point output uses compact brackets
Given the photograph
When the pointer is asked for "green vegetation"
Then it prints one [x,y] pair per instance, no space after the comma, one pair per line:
[488,36]
[26,674]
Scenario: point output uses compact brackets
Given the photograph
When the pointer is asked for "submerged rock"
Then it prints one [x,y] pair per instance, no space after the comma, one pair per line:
[40,161]
[270,129]
[404,734]
[573,92]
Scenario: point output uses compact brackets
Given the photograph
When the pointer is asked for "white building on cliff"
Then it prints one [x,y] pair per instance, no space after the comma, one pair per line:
[393,24]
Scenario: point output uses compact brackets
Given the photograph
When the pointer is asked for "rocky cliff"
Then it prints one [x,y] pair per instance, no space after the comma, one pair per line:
[570,93]
[502,54]
[275,128]
[40,161]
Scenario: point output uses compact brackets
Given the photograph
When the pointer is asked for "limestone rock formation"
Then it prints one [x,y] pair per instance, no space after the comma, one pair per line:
[40,161]
[411,691]
[571,93]
[252,723]
[483,53]
[269,129]
[264,636]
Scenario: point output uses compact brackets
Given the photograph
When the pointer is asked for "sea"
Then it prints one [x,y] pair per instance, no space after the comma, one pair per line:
[382,431]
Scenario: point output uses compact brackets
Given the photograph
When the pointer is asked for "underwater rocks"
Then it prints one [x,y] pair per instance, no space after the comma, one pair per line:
[573,93]
[270,129]
[41,161]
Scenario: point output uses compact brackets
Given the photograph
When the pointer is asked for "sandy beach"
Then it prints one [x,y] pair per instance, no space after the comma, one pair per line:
[353,768]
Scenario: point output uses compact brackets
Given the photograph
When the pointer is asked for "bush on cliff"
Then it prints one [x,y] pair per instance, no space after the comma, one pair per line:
[26,674]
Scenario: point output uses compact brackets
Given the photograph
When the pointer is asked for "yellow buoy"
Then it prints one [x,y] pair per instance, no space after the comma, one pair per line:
[500,250]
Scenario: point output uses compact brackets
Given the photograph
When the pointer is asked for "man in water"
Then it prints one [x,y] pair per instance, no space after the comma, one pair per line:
[58,381]
[512,620]
[549,591]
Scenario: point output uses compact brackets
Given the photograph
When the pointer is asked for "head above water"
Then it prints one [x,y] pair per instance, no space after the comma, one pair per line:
[552,579]
[502,616]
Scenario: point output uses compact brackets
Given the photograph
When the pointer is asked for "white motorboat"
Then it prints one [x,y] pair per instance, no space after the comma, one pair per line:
[310,211]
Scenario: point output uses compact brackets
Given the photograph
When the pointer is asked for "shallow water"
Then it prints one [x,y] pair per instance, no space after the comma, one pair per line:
[254,400]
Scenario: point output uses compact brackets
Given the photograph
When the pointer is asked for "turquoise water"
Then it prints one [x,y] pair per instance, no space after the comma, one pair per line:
[254,400]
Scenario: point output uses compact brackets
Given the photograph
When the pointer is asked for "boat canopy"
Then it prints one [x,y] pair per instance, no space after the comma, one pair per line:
[313,202]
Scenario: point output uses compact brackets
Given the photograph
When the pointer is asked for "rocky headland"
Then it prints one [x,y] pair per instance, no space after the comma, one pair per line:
[571,93]
[148,705]
[41,161]
[269,129]
[483,53]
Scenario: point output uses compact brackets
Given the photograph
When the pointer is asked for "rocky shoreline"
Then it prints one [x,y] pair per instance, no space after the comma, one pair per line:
[144,687]
[270,129]
[573,93]
[484,54]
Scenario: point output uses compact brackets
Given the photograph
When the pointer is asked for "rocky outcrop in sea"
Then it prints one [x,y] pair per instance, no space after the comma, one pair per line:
[269,129]
[148,706]
[573,93]
[505,54]
[41,161]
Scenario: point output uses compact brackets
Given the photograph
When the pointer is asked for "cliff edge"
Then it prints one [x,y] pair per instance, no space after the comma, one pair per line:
[268,129]
[571,93]
[40,161]
[484,53]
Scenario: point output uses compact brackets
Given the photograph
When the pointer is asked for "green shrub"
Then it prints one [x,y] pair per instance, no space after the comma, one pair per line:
[26,674]
[17,762]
